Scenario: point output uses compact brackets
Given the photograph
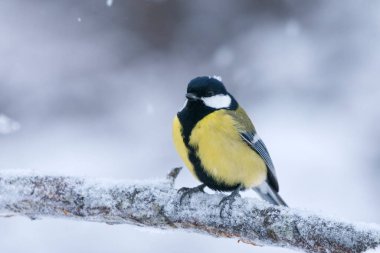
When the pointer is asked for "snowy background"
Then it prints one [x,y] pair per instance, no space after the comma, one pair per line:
[94,89]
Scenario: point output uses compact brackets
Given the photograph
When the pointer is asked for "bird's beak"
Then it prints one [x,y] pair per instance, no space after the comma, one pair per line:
[191,96]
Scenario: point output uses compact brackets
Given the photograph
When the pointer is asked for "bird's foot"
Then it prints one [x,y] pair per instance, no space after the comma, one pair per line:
[230,199]
[188,191]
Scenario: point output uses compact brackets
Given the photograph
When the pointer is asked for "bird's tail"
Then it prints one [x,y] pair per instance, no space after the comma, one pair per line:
[267,193]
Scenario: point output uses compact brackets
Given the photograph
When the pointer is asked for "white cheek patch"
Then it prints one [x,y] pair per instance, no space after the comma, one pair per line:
[217,101]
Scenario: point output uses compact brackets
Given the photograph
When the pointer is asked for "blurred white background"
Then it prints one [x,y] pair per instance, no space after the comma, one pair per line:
[95,88]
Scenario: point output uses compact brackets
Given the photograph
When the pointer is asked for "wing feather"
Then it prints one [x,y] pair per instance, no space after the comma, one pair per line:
[249,135]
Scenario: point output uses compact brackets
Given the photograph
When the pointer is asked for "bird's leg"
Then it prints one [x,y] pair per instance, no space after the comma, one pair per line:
[188,191]
[230,199]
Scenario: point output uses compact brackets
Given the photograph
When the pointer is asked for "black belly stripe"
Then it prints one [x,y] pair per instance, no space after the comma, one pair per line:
[188,118]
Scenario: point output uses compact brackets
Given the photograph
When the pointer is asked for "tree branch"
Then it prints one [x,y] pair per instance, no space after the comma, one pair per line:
[156,204]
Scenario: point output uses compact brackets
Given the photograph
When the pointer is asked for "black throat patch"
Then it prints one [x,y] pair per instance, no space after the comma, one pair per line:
[193,112]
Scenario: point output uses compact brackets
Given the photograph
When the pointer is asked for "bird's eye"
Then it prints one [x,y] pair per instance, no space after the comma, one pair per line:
[210,93]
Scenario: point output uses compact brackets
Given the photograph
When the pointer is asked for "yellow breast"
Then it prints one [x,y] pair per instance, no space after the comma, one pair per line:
[180,145]
[222,152]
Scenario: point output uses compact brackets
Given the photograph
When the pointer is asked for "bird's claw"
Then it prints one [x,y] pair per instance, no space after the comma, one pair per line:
[230,199]
[188,191]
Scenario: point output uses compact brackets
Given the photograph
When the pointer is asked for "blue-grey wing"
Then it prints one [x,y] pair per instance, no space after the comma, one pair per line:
[255,142]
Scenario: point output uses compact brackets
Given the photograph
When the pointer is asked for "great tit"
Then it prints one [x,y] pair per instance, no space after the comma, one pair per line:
[219,144]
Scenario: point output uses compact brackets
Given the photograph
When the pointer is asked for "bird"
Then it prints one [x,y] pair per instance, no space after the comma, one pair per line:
[220,146]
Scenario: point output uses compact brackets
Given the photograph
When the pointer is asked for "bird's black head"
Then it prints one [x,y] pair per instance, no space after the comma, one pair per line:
[205,91]
[205,86]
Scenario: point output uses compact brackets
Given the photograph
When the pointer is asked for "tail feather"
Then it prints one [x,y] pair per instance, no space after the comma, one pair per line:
[267,193]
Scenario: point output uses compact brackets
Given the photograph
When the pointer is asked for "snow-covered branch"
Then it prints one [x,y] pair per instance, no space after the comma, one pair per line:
[156,204]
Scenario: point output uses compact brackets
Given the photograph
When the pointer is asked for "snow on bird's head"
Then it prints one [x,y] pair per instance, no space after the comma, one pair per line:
[219,78]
